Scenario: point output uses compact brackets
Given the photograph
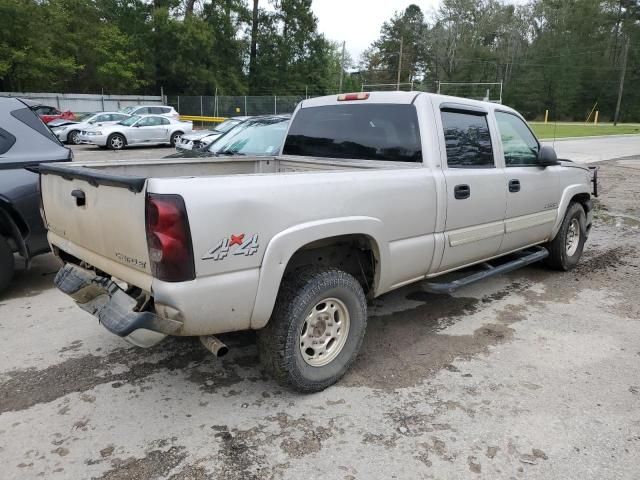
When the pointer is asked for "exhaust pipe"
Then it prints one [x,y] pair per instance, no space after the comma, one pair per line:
[214,345]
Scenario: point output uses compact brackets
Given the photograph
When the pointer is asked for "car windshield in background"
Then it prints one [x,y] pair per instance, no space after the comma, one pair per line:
[130,121]
[356,131]
[81,117]
[254,137]
[128,110]
[227,125]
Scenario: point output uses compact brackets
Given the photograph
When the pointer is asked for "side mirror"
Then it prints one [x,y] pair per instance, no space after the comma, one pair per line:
[547,156]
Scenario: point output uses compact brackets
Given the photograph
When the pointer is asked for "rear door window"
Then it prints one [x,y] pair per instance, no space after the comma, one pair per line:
[467,139]
[356,131]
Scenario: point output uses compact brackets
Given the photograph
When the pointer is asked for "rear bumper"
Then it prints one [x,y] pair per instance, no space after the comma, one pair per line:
[113,307]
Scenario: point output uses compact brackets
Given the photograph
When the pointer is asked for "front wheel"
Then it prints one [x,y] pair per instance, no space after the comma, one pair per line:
[116,142]
[566,248]
[175,138]
[7,263]
[316,328]
[72,137]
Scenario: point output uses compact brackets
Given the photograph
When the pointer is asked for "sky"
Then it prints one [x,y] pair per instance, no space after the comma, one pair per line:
[358,22]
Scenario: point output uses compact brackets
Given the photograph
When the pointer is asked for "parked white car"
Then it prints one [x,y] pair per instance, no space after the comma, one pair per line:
[67,131]
[201,139]
[136,130]
[164,110]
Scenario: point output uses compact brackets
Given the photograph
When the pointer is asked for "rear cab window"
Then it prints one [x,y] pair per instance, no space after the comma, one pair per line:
[386,132]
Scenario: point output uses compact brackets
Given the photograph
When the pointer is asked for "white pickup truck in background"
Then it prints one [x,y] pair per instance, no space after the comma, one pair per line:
[372,191]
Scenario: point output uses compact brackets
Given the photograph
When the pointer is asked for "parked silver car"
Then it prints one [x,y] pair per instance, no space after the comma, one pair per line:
[163,110]
[200,139]
[136,130]
[67,131]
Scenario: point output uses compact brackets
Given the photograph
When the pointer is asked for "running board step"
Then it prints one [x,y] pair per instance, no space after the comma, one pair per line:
[525,258]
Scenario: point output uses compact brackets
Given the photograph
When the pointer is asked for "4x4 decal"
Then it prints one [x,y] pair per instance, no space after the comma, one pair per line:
[240,244]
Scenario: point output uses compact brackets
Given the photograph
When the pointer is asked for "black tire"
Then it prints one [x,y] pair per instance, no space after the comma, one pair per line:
[7,264]
[175,136]
[114,144]
[561,257]
[278,343]
[72,137]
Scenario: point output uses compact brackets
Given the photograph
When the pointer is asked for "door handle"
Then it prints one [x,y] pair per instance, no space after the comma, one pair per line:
[461,192]
[81,199]
[514,185]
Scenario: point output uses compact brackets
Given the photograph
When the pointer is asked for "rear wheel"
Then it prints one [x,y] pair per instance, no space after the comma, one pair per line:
[116,142]
[72,137]
[175,138]
[7,263]
[566,248]
[316,329]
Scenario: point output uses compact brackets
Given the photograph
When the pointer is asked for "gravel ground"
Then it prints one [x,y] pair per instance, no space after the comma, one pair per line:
[534,374]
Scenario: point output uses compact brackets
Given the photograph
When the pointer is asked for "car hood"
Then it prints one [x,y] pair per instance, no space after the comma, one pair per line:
[199,134]
[61,122]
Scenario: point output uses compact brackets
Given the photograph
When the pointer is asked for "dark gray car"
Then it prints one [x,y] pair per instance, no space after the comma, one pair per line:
[25,141]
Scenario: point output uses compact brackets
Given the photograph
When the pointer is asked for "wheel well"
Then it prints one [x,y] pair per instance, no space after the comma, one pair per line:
[583,199]
[13,228]
[355,254]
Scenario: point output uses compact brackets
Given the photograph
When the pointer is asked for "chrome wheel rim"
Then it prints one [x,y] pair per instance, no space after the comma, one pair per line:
[177,139]
[324,332]
[573,237]
[74,138]
[116,142]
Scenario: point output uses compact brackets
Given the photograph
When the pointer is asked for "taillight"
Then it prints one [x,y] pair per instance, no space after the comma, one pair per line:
[345,97]
[169,238]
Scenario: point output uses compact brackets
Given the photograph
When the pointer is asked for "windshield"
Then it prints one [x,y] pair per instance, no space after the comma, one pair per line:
[130,121]
[127,109]
[253,137]
[227,125]
[81,117]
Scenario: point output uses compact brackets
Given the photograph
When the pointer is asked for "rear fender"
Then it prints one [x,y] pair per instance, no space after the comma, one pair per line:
[285,244]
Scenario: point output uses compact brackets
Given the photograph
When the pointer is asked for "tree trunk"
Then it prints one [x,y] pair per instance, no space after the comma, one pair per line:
[188,11]
[253,56]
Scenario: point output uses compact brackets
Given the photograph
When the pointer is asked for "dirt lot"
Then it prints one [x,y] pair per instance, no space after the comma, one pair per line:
[534,374]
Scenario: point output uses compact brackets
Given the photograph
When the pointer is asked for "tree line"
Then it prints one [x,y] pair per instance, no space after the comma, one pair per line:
[566,56]
[236,47]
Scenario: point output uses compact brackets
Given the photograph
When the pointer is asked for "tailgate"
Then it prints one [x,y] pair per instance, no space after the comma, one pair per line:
[98,221]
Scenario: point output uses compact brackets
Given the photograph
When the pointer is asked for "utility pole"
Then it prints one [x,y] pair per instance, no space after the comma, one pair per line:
[341,68]
[616,117]
[399,65]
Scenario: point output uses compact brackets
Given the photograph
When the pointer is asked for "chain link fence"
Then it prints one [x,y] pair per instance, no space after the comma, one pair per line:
[232,106]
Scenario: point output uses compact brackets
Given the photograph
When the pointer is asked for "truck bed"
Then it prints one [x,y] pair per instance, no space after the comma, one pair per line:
[132,174]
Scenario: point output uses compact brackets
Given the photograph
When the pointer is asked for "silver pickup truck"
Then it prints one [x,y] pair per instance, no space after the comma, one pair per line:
[371,191]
